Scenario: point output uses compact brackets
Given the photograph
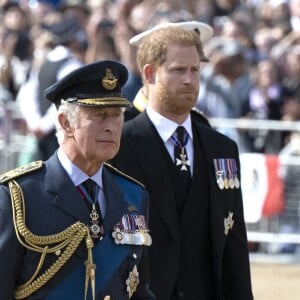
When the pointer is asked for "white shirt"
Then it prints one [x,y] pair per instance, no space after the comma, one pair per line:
[78,177]
[166,129]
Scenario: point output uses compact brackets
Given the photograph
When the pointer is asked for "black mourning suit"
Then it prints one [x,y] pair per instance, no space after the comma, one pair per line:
[191,256]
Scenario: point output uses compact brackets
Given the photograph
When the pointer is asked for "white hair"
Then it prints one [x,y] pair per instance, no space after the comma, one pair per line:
[70,110]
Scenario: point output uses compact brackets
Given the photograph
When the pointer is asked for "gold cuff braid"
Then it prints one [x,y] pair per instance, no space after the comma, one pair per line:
[64,243]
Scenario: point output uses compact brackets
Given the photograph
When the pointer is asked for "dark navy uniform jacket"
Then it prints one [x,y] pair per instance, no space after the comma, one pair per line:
[52,203]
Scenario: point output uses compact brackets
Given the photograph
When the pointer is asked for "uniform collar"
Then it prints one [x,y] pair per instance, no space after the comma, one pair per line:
[140,101]
[76,174]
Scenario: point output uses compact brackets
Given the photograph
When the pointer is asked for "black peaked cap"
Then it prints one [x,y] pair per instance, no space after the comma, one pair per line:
[97,84]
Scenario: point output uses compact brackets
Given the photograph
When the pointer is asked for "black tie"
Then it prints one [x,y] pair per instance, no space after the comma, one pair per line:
[183,173]
[90,186]
[180,154]
[96,228]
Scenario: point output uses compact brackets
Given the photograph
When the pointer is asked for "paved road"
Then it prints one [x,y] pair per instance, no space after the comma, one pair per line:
[275,281]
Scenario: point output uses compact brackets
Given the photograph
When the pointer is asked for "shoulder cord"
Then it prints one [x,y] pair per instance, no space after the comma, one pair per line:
[69,239]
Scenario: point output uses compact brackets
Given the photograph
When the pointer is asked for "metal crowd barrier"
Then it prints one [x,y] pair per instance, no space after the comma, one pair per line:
[13,139]
[278,233]
[245,123]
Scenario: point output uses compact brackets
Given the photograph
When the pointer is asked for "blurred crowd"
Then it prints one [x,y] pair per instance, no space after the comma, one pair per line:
[254,57]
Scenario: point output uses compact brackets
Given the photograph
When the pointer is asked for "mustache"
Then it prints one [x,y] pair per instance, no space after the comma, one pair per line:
[188,90]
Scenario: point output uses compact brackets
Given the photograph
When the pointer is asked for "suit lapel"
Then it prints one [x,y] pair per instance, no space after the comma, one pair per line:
[147,141]
[116,205]
[67,196]
[216,206]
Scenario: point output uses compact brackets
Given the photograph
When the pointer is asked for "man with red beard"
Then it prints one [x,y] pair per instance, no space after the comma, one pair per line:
[192,174]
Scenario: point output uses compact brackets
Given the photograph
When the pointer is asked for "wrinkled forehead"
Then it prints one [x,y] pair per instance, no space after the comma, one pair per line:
[101,110]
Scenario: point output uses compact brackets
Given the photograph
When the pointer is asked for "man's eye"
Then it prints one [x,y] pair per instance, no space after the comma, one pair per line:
[116,114]
[107,115]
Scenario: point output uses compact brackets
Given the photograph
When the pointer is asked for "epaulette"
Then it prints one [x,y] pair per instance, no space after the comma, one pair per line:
[20,171]
[118,172]
[201,116]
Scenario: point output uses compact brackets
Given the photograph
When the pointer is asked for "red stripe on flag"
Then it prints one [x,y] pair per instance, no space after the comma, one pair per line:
[274,201]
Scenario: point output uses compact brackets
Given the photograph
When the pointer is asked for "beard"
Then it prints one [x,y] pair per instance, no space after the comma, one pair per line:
[179,101]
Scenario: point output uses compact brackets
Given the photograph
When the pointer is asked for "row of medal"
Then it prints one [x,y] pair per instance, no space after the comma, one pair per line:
[132,230]
[226,173]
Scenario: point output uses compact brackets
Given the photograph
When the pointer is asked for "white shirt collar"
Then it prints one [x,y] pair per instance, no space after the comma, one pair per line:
[76,174]
[166,127]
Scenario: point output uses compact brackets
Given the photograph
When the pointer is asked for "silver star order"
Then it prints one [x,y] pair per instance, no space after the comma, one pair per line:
[228,222]
[183,162]
[132,281]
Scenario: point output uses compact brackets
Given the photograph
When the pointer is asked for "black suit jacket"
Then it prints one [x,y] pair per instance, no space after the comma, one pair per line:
[141,156]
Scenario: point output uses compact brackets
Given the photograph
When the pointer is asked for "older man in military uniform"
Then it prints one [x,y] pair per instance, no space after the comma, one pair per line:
[74,227]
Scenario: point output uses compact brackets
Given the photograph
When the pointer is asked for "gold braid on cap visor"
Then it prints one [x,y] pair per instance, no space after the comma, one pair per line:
[105,101]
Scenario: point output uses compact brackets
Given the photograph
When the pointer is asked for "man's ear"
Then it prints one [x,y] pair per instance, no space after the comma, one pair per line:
[149,73]
[65,124]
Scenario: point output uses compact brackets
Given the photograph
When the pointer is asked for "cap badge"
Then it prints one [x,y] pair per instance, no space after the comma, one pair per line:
[109,82]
